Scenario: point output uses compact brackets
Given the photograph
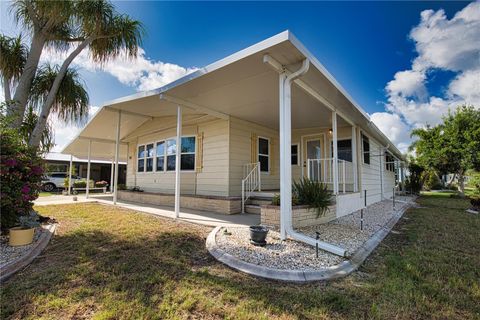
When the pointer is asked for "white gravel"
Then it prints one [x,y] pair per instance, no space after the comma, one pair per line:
[9,253]
[292,255]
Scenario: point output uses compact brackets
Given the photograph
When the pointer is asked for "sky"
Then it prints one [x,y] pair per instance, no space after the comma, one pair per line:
[405,63]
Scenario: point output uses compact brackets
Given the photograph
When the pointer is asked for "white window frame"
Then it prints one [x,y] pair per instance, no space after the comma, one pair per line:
[298,154]
[181,153]
[263,155]
[362,133]
[164,156]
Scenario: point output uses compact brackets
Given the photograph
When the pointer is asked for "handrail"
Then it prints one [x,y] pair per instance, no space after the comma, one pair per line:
[322,170]
[251,182]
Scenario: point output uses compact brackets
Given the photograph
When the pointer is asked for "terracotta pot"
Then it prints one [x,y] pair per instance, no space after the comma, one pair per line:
[20,236]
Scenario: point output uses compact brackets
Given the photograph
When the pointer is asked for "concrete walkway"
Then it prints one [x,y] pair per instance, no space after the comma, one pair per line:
[189,215]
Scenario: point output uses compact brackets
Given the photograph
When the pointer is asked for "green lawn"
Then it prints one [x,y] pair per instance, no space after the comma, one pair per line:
[110,263]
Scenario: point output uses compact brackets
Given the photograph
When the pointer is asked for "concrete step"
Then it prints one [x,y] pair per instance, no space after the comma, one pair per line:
[263,194]
[252,208]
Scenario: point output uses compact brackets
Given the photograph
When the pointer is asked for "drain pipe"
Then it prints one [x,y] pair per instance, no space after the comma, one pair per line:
[286,227]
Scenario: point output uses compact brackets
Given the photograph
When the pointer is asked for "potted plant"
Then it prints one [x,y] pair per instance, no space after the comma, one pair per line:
[23,234]
[101,184]
[258,234]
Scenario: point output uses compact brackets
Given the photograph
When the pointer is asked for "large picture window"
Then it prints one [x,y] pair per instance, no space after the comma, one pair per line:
[366,149]
[187,154]
[162,155]
[264,154]
[344,149]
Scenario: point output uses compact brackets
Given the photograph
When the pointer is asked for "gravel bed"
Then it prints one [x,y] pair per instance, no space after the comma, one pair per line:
[292,255]
[9,253]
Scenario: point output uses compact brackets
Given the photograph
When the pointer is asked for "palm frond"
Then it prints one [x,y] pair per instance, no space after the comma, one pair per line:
[13,55]
[71,101]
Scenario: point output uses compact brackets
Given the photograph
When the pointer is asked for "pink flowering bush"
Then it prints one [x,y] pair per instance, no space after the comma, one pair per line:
[21,170]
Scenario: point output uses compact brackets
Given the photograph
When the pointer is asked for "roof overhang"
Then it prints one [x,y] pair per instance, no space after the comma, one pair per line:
[241,85]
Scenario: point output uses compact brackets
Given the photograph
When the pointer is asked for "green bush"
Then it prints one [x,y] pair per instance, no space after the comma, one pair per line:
[474,182]
[82,183]
[276,200]
[21,170]
[314,194]
[413,183]
[431,181]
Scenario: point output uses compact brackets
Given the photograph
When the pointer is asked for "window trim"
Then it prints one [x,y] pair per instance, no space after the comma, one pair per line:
[263,155]
[298,154]
[389,166]
[165,155]
[362,134]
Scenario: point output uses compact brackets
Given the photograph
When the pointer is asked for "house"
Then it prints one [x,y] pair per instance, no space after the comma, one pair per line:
[246,125]
[100,170]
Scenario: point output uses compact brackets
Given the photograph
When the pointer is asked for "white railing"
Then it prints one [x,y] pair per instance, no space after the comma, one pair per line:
[250,182]
[322,170]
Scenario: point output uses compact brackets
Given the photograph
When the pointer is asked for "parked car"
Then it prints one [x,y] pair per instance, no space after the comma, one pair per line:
[56,180]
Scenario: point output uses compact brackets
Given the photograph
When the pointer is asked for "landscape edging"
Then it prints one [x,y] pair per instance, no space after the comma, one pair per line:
[341,270]
[21,262]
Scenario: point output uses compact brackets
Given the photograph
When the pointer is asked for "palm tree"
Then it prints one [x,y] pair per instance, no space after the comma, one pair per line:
[13,55]
[78,25]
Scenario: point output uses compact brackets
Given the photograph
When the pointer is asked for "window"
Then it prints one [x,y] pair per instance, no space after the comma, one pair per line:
[264,154]
[141,159]
[187,157]
[58,175]
[389,162]
[295,154]
[365,149]
[149,158]
[160,156]
[344,150]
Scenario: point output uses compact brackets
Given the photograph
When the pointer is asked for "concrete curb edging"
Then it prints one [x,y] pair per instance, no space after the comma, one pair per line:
[10,268]
[341,270]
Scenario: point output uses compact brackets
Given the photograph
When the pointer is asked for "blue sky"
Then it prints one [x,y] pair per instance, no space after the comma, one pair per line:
[365,45]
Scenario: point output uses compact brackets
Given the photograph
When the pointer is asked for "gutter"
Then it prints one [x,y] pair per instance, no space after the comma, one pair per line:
[286,227]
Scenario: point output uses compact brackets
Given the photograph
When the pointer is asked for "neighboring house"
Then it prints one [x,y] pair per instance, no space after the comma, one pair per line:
[99,169]
[234,122]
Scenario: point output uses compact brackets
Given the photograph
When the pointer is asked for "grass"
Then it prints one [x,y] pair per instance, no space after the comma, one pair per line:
[111,263]
[45,194]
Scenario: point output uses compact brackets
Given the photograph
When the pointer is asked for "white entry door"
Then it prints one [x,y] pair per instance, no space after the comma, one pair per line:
[313,149]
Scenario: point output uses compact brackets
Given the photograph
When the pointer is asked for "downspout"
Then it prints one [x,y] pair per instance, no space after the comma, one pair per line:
[286,227]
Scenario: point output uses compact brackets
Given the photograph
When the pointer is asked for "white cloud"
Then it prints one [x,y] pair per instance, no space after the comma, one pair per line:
[441,44]
[141,73]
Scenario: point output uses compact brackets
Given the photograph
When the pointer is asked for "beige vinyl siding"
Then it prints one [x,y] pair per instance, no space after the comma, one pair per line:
[210,179]
[370,173]
[241,153]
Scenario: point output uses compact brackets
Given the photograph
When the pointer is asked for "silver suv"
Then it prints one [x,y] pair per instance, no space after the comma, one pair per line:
[55,180]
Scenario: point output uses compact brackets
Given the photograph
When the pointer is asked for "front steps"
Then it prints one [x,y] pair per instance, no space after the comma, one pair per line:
[257,199]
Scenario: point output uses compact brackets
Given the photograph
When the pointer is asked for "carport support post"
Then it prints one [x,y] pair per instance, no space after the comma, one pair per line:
[335,152]
[111,174]
[70,176]
[117,151]
[87,190]
[284,186]
[177,161]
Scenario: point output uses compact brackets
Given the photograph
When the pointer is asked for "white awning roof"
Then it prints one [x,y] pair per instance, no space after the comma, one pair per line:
[240,85]
[56,156]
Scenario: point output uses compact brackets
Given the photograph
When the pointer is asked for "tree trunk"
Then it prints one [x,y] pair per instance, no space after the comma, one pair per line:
[461,184]
[6,88]
[20,98]
[449,183]
[36,136]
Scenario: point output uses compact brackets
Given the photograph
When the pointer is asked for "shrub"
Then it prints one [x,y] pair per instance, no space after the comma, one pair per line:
[431,181]
[474,182]
[414,183]
[21,170]
[82,183]
[475,202]
[121,186]
[314,194]
[276,200]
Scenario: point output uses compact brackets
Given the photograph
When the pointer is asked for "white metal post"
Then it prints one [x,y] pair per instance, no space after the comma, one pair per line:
[354,159]
[112,170]
[177,161]
[335,153]
[259,172]
[87,191]
[283,163]
[343,175]
[117,151]
[382,154]
[70,176]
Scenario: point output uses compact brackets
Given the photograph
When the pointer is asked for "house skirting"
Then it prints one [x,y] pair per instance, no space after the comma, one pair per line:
[224,205]
[302,216]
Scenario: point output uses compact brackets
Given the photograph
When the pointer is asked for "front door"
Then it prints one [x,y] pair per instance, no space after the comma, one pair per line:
[312,152]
